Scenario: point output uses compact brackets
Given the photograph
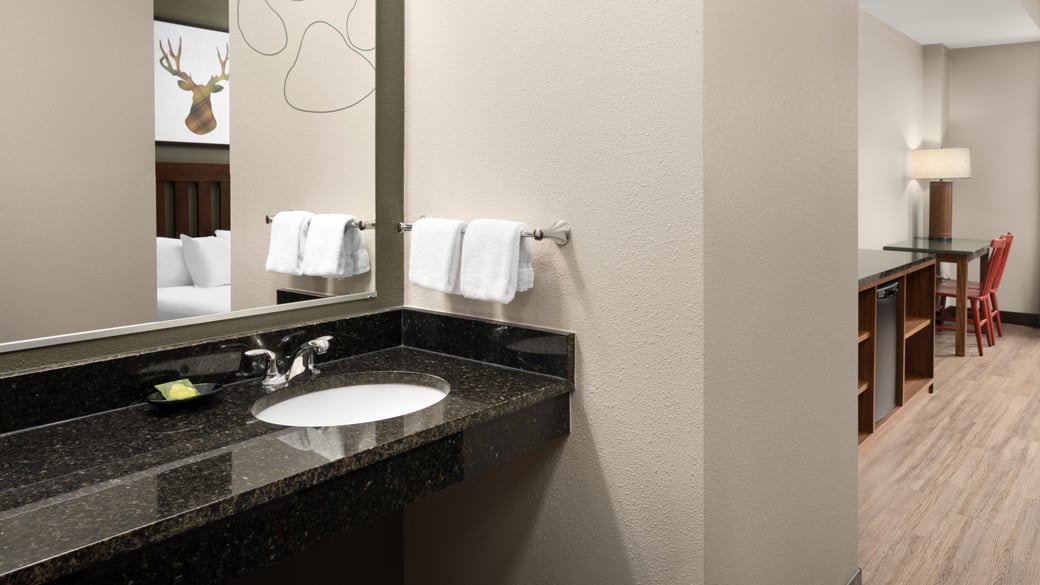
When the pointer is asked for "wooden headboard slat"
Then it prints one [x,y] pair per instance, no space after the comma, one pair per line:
[225,205]
[193,185]
[160,209]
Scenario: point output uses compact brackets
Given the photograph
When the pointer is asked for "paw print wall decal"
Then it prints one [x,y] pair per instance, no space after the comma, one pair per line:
[334,66]
[262,28]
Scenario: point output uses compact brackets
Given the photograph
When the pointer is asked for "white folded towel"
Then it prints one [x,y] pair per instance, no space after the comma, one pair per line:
[491,254]
[525,268]
[334,247]
[434,254]
[288,233]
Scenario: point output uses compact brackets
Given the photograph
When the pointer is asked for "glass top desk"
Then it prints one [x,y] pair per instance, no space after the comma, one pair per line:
[956,251]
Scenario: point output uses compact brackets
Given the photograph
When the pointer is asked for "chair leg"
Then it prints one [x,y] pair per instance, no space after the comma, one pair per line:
[996,313]
[989,321]
[939,321]
[978,324]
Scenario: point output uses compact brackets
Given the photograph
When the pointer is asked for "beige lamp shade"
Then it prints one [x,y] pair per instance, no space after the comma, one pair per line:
[942,163]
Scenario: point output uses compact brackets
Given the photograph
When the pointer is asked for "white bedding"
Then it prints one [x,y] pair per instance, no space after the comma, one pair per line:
[175,302]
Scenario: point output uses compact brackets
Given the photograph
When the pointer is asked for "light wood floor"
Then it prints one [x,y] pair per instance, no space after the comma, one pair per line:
[949,489]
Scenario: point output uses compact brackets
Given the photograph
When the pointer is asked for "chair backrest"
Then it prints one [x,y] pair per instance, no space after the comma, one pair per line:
[996,261]
[1008,237]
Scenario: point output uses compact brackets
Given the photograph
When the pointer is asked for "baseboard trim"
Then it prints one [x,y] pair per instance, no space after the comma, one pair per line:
[1013,318]
[857,577]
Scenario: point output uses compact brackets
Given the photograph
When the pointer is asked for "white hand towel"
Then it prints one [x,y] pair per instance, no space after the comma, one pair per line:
[525,269]
[491,260]
[334,247]
[288,233]
[434,254]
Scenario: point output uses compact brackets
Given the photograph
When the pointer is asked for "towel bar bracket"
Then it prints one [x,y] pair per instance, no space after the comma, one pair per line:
[559,232]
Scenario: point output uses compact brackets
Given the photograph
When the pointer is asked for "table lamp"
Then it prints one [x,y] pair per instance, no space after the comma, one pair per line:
[938,164]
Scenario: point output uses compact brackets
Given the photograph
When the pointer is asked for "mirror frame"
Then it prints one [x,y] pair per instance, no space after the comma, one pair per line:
[187,321]
[36,353]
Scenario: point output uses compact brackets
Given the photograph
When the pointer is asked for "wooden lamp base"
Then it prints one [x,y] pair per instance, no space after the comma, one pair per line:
[940,211]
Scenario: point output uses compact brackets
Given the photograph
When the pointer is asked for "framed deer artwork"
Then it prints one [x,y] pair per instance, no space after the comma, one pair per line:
[192,75]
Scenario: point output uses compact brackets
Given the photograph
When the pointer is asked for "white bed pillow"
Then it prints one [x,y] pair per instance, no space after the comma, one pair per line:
[170,269]
[208,260]
[222,233]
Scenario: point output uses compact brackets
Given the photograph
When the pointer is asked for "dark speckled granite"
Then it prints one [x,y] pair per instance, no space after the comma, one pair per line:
[874,265]
[527,348]
[38,398]
[132,494]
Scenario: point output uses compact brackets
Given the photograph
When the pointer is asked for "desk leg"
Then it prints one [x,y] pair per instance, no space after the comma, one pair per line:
[962,303]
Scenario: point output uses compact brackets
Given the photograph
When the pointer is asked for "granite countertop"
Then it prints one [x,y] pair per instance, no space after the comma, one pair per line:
[80,491]
[875,265]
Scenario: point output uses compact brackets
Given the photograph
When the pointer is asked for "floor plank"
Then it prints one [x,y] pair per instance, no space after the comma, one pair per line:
[949,488]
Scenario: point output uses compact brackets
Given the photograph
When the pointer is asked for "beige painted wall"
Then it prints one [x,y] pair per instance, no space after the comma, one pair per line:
[936,120]
[591,113]
[780,116]
[283,158]
[85,156]
[892,207]
[994,97]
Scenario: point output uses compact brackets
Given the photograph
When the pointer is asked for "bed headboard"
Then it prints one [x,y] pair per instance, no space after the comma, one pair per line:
[192,198]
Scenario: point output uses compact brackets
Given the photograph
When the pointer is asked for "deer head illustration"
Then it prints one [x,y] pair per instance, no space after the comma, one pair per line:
[200,118]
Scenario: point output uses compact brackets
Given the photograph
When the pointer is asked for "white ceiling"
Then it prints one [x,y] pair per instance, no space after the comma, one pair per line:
[960,23]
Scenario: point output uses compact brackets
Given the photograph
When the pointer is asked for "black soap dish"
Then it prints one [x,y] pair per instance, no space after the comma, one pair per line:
[207,390]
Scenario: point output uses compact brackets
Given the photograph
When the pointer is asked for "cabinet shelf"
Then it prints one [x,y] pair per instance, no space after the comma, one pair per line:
[863,385]
[864,335]
[915,324]
[913,384]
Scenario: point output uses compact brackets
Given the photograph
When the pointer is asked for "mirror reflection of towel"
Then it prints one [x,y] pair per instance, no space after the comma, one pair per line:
[334,247]
[288,234]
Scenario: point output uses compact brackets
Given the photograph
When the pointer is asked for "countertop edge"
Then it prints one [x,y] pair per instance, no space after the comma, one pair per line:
[922,260]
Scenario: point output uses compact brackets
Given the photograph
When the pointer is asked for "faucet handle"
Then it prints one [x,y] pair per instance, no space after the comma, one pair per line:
[272,377]
[320,344]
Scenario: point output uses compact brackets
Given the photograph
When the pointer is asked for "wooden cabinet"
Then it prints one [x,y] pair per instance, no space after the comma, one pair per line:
[915,347]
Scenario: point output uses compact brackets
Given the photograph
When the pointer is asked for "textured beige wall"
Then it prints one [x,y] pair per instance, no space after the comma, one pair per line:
[994,97]
[591,113]
[780,295]
[283,158]
[892,207]
[78,147]
[936,120]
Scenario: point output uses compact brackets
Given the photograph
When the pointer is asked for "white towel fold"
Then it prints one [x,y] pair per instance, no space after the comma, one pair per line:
[525,268]
[288,233]
[334,247]
[434,254]
[491,254]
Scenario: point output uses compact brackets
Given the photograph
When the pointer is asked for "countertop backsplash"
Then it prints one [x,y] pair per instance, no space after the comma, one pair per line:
[64,393]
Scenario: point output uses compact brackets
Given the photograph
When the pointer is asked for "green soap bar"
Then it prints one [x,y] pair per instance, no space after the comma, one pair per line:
[168,386]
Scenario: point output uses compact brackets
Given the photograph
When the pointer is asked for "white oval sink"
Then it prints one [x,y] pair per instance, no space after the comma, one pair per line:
[366,398]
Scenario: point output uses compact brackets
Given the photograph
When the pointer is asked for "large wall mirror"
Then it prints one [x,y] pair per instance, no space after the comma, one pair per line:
[81,201]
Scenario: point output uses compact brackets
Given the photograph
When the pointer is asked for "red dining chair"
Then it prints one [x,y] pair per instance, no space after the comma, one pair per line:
[994,307]
[978,296]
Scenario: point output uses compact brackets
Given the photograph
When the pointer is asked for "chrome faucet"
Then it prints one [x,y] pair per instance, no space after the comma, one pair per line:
[302,362]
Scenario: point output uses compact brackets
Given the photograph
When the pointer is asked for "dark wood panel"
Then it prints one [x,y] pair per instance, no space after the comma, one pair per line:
[225,205]
[209,184]
[161,228]
[181,215]
[192,172]
[205,208]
